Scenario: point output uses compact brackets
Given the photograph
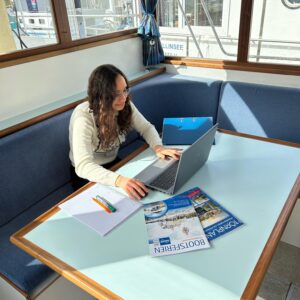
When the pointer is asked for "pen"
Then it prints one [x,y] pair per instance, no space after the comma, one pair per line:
[105,207]
[107,203]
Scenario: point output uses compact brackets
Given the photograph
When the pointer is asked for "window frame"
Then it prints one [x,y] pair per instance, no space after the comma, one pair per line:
[64,40]
[66,44]
[242,63]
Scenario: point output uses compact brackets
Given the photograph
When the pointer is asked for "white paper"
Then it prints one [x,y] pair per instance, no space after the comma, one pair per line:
[85,210]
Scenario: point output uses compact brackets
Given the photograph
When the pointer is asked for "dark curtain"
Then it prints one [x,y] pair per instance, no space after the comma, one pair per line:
[149,33]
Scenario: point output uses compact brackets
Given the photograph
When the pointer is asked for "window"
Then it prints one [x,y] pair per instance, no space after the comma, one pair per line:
[208,29]
[91,17]
[197,16]
[19,25]
[275,32]
[200,28]
[167,13]
[30,24]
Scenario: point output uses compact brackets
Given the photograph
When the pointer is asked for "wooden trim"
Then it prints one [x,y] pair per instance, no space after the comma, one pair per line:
[232,65]
[106,36]
[70,273]
[244,32]
[152,73]
[62,22]
[260,138]
[38,119]
[67,107]
[261,267]
[15,287]
[33,54]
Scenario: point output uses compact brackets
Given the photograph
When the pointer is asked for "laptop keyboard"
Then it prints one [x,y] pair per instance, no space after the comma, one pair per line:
[166,179]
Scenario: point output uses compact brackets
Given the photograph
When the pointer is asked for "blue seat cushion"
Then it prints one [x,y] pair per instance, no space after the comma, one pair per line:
[261,110]
[20,268]
[33,162]
[170,95]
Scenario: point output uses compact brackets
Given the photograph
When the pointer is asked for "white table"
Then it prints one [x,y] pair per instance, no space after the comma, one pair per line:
[253,179]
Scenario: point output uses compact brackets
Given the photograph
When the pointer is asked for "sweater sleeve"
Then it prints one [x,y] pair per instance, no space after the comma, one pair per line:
[85,166]
[145,128]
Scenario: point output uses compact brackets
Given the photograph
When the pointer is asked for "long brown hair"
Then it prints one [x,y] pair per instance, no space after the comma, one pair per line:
[101,94]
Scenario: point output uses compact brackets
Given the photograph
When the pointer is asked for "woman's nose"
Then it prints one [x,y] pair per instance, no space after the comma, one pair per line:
[123,97]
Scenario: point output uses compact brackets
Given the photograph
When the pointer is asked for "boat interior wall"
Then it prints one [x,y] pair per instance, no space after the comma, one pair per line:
[234,75]
[28,86]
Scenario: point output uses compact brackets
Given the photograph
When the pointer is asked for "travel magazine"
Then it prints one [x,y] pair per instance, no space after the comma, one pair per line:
[215,219]
[173,227]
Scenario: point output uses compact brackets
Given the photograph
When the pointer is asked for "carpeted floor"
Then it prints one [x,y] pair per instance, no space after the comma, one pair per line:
[282,280]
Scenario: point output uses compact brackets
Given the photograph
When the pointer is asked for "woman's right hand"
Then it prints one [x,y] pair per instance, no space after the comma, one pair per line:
[133,187]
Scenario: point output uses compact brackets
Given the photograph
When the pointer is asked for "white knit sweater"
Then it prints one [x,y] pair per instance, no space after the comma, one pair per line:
[84,142]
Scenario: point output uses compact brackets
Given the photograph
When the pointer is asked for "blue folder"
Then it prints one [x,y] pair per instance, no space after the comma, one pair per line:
[184,131]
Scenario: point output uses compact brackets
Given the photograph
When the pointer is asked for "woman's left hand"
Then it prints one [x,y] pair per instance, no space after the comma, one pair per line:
[162,152]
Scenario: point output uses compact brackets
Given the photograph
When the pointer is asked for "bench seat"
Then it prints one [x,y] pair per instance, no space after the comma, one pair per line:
[20,268]
[262,110]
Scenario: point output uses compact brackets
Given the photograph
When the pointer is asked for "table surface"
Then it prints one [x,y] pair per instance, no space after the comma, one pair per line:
[250,178]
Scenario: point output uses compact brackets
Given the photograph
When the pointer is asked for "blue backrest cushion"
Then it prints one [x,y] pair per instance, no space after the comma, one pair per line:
[33,163]
[169,95]
[261,110]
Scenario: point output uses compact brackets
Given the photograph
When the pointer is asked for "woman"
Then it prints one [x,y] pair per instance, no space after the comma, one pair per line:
[99,126]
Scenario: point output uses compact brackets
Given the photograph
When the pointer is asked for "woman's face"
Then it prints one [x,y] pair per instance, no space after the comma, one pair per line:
[121,94]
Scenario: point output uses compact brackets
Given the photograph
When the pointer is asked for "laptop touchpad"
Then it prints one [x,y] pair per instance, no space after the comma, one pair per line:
[155,169]
[163,163]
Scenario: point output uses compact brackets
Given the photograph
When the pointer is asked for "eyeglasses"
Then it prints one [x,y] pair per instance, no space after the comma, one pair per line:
[124,93]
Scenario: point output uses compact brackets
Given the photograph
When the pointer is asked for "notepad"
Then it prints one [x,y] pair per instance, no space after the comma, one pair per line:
[85,210]
[184,131]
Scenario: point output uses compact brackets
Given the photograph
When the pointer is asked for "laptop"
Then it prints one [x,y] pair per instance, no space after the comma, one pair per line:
[168,175]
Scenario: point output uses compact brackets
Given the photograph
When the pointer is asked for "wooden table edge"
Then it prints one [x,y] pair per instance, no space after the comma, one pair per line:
[65,270]
[265,258]
[96,290]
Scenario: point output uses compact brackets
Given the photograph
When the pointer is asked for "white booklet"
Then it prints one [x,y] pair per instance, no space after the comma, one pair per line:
[173,227]
[101,208]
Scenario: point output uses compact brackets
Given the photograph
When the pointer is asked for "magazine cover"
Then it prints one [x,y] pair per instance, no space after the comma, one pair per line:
[215,219]
[173,227]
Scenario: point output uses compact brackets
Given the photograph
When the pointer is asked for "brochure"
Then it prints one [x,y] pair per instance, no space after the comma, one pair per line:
[101,208]
[173,227]
[214,218]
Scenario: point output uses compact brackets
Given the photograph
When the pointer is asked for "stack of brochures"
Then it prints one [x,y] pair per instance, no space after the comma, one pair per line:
[186,222]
